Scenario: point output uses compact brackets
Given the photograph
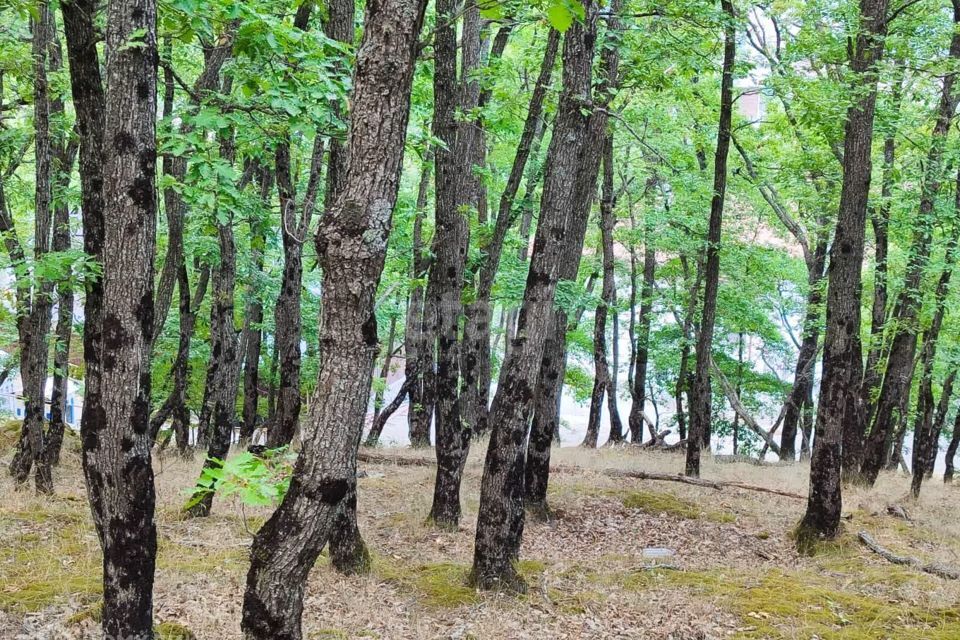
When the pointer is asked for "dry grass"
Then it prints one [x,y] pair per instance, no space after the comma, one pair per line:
[738,575]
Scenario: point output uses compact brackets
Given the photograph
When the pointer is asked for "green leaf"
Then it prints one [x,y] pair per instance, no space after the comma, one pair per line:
[559,16]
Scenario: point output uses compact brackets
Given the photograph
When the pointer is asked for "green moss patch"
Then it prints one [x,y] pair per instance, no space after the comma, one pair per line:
[807,605]
[439,585]
[656,503]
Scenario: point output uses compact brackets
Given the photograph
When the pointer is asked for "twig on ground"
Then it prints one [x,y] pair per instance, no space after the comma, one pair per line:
[934,568]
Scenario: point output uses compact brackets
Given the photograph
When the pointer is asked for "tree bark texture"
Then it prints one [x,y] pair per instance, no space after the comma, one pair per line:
[456,190]
[115,431]
[353,239]
[700,395]
[570,180]
[840,401]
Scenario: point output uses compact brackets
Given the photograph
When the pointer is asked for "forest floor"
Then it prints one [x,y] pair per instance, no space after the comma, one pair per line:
[735,573]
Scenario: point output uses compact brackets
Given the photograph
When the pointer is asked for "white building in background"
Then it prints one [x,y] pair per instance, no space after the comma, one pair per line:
[12,401]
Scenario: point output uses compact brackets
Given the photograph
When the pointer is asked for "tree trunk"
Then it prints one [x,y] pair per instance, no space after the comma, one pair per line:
[417,334]
[895,390]
[952,451]
[807,356]
[373,438]
[842,365]
[34,294]
[572,166]
[642,339]
[880,221]
[288,321]
[253,318]
[353,238]
[64,157]
[385,370]
[115,432]
[603,380]
[700,396]
[475,364]
[925,435]
[548,395]
[224,358]
[455,190]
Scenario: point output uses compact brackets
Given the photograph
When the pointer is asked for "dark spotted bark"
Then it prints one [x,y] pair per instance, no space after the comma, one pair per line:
[418,356]
[842,365]
[641,336]
[295,220]
[477,347]
[604,383]
[352,242]
[115,430]
[570,179]
[33,293]
[545,427]
[252,337]
[700,394]
[895,389]
[224,368]
[455,193]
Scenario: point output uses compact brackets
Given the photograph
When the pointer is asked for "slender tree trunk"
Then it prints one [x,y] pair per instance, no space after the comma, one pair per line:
[572,165]
[700,401]
[385,370]
[895,390]
[925,435]
[548,395]
[115,432]
[417,336]
[603,380]
[951,453]
[224,358]
[34,299]
[840,402]
[642,340]
[64,157]
[288,321]
[253,318]
[475,363]
[880,220]
[353,238]
[373,438]
[455,190]
[807,356]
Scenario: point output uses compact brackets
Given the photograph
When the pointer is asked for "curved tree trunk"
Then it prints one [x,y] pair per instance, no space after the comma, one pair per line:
[352,237]
[573,162]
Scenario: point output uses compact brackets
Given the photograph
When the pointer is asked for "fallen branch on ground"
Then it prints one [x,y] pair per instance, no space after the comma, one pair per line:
[378,458]
[935,568]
